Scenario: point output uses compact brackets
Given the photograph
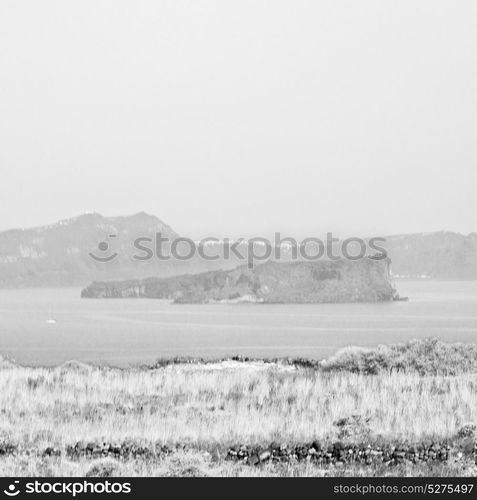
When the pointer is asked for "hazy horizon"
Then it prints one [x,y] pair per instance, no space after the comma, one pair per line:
[267,233]
[241,118]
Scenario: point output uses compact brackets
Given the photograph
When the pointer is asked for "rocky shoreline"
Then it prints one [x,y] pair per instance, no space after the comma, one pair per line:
[363,454]
[337,453]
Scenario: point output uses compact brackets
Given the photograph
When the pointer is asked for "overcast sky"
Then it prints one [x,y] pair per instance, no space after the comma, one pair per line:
[241,117]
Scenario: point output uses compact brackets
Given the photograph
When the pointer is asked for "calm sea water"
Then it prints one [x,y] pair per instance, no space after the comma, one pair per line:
[129,331]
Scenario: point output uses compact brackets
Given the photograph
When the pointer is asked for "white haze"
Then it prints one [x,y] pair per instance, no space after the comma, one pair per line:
[243,117]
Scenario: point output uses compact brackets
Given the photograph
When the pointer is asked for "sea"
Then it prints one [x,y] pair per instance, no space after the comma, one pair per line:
[50,326]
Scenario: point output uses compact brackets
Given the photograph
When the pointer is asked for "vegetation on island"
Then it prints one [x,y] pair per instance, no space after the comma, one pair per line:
[365,280]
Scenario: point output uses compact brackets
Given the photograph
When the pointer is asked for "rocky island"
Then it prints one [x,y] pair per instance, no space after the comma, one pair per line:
[366,280]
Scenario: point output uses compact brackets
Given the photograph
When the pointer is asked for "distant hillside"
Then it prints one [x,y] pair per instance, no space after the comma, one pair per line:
[58,254]
[366,280]
[441,255]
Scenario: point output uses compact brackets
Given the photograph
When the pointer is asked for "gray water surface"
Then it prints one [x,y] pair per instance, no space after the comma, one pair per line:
[129,331]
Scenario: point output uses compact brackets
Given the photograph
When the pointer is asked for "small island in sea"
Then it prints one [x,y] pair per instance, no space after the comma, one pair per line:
[364,280]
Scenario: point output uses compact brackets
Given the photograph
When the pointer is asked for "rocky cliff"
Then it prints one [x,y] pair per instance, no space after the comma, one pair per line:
[366,280]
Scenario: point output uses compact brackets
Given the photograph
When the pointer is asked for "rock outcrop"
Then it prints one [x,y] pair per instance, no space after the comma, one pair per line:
[345,453]
[335,453]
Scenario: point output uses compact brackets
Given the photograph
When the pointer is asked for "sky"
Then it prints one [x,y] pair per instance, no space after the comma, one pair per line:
[237,118]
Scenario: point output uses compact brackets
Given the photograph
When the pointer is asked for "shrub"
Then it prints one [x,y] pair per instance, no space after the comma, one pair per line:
[104,468]
[426,357]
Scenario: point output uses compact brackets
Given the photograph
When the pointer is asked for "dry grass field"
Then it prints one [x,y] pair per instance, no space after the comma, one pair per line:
[199,410]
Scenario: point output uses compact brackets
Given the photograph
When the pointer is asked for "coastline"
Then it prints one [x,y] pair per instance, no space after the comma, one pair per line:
[341,416]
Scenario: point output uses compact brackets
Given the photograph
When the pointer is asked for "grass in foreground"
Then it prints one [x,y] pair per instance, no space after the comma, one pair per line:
[209,407]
